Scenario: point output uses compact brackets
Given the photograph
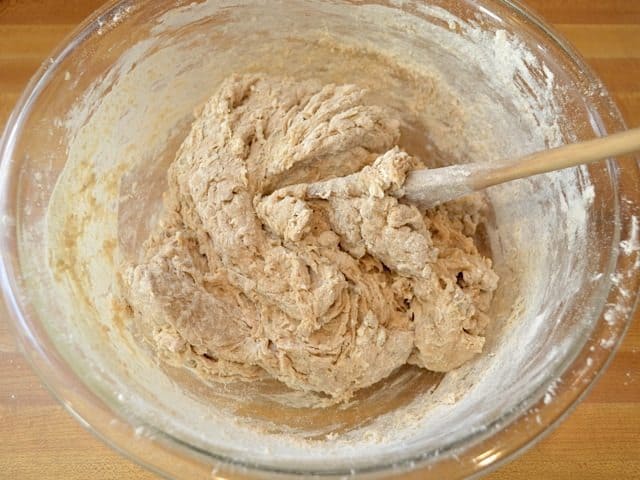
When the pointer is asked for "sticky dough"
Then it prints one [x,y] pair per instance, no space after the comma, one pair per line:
[250,277]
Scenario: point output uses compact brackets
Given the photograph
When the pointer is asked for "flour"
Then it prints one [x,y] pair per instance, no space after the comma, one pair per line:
[632,244]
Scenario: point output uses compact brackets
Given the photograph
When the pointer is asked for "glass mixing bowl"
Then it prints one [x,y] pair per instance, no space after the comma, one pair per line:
[84,157]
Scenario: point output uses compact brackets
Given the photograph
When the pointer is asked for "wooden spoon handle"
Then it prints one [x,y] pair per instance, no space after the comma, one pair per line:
[558,158]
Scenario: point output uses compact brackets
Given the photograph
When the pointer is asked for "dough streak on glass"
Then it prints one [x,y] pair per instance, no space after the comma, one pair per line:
[251,278]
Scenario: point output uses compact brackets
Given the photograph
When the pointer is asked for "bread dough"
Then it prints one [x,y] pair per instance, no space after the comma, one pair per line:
[250,277]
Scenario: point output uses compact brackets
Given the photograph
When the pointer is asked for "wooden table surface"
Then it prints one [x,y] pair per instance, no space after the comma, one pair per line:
[600,440]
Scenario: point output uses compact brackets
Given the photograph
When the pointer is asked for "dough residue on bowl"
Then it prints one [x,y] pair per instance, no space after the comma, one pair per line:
[250,277]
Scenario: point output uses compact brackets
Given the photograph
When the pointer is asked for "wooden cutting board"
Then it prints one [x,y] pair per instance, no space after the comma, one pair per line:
[600,440]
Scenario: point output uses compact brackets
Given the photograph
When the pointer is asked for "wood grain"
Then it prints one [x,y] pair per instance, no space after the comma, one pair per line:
[600,440]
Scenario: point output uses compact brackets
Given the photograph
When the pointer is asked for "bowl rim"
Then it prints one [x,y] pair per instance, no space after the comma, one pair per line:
[165,454]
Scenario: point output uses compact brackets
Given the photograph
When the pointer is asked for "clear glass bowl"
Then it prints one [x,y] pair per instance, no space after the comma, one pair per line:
[118,95]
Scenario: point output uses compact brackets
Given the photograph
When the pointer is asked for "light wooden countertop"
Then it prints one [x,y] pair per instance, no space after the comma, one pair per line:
[600,440]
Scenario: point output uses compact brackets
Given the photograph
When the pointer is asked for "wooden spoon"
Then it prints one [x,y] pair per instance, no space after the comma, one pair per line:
[430,187]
